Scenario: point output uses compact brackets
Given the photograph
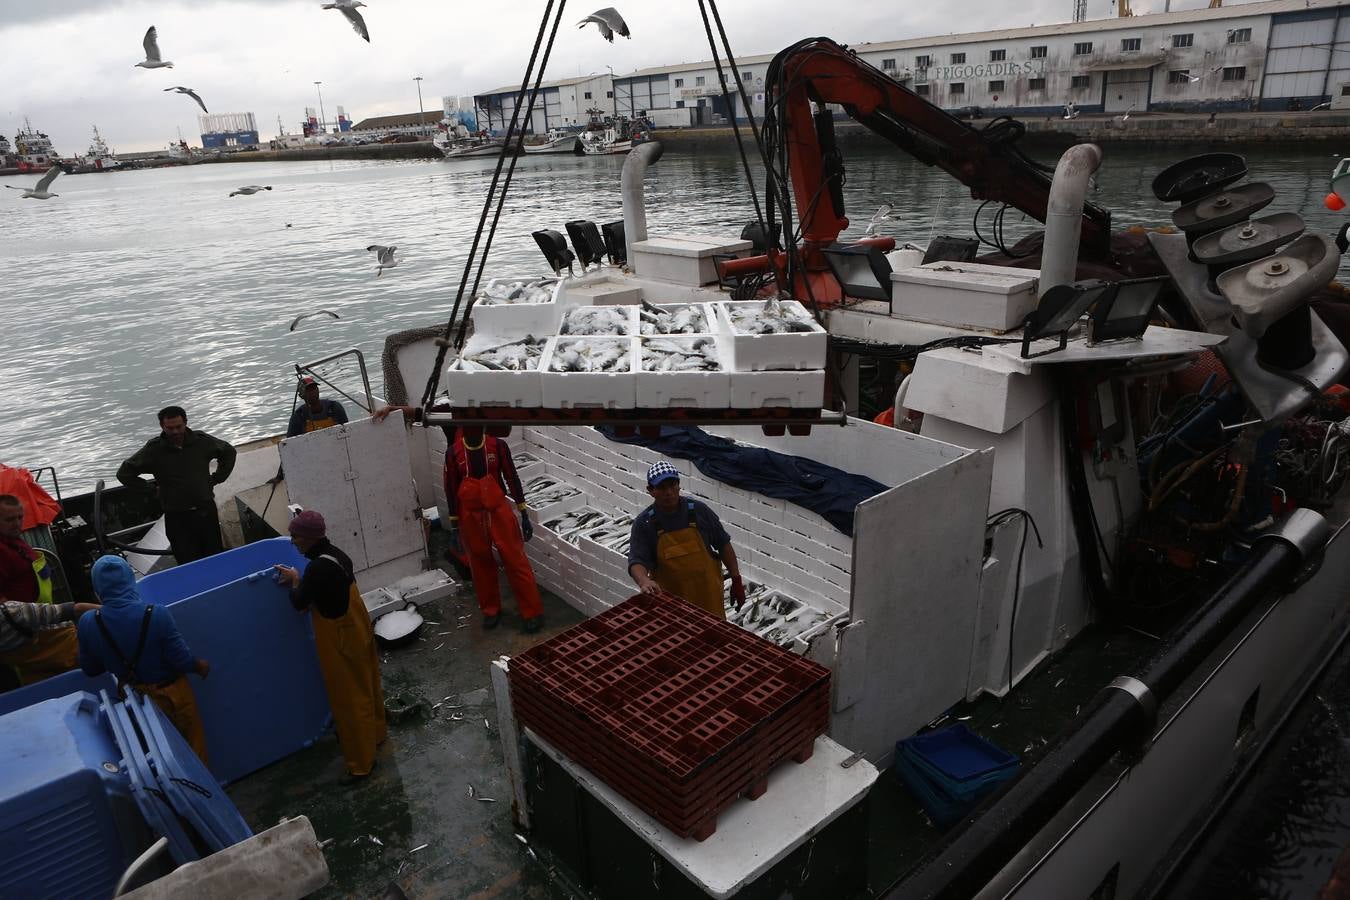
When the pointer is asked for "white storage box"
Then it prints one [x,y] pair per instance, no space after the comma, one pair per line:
[746,352]
[598,320]
[966,295]
[515,319]
[599,290]
[692,318]
[682,258]
[699,389]
[588,390]
[517,388]
[757,390]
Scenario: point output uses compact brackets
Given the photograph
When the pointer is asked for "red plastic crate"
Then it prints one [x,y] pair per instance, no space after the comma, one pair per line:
[674,708]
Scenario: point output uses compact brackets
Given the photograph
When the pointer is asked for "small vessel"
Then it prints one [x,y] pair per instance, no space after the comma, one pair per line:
[460,143]
[98,158]
[558,140]
[34,150]
[605,135]
[7,158]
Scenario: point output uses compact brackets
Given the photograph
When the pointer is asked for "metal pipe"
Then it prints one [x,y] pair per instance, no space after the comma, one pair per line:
[139,863]
[898,406]
[1120,717]
[634,204]
[1064,214]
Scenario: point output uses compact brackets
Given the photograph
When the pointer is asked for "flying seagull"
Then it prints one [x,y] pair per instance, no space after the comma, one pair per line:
[385,256]
[318,312]
[251,189]
[39,191]
[348,10]
[608,21]
[883,214]
[191,93]
[152,58]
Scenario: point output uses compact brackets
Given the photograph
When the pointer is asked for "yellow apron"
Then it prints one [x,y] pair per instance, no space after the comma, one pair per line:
[176,700]
[316,424]
[685,568]
[49,652]
[351,675]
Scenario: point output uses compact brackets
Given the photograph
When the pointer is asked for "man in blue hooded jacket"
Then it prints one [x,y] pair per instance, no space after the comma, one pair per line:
[140,644]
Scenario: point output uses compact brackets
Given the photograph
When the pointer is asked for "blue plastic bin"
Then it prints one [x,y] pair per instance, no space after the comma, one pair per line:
[951,770]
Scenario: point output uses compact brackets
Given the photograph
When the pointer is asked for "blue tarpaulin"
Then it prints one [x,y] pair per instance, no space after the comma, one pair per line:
[832,493]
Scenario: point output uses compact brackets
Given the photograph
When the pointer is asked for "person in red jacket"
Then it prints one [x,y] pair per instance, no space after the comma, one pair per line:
[481,485]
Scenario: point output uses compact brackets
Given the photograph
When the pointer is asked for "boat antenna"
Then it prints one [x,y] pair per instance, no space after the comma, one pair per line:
[518,136]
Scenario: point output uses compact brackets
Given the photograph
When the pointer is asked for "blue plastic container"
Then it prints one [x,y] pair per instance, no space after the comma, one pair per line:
[68,823]
[202,575]
[63,685]
[950,770]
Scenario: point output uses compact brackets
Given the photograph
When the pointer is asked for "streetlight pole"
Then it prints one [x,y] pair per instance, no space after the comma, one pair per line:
[323,119]
[421,115]
[613,91]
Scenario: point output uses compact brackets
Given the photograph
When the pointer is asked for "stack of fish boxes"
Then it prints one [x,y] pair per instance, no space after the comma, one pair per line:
[604,332]
[783,369]
[697,388]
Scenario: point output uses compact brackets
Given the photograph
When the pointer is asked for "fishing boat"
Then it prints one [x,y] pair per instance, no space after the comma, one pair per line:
[98,158]
[459,143]
[605,135]
[8,161]
[1110,543]
[558,140]
[34,150]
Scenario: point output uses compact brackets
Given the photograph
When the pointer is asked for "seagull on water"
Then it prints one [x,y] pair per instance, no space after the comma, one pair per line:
[608,21]
[191,93]
[251,189]
[318,312]
[39,191]
[152,57]
[348,10]
[385,257]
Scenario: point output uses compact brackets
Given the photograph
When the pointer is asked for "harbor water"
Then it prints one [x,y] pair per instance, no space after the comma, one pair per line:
[138,289]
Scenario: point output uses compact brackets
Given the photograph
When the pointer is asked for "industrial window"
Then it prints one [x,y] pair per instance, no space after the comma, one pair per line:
[922,62]
[1039,52]
[958,58]
[679,82]
[996,87]
[747,76]
[587,95]
[1179,76]
[921,90]
[1239,36]
[1082,48]
[1128,45]
[1080,81]
[888,64]
[1036,84]
[1182,40]
[609,95]
[1235,73]
[1345,90]
[998,55]
[698,81]
[956,88]
[679,104]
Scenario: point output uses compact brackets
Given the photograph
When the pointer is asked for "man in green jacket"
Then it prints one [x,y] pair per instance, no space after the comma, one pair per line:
[180,461]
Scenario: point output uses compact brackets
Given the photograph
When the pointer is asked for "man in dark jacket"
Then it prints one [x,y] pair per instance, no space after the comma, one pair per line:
[180,461]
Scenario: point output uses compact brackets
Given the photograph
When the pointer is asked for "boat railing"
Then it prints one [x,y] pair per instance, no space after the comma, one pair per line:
[311,368]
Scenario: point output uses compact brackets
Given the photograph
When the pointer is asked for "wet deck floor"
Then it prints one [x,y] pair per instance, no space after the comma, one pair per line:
[418,795]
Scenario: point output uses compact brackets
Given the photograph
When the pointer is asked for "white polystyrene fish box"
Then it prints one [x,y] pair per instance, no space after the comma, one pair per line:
[682,258]
[496,311]
[599,289]
[965,294]
[590,372]
[761,335]
[495,371]
[682,371]
[677,318]
[758,390]
[617,321]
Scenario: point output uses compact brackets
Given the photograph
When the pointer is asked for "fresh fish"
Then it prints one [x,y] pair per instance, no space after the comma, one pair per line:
[539,290]
[677,354]
[598,355]
[517,356]
[545,490]
[589,320]
[773,316]
[688,319]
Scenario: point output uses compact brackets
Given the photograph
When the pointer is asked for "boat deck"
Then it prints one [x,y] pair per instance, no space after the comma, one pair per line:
[418,796]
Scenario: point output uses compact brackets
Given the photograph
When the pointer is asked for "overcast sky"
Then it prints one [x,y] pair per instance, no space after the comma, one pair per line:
[69,64]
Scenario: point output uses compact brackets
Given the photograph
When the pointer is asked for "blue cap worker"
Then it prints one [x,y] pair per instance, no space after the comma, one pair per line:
[140,644]
[678,545]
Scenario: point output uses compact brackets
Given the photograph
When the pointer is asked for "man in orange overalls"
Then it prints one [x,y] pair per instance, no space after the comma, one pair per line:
[479,474]
[344,639]
[676,543]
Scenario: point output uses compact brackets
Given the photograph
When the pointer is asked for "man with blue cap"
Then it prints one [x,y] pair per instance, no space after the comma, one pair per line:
[139,643]
[678,545]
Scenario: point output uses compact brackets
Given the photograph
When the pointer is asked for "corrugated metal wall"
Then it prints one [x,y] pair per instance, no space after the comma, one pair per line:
[1309,55]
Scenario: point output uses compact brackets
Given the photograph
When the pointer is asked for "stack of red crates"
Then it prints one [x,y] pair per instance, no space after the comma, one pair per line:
[675,709]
